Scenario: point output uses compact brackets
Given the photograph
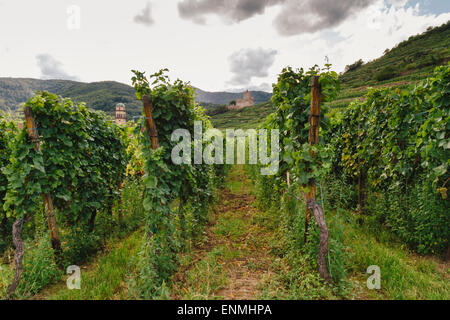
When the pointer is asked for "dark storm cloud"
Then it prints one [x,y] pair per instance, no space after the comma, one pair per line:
[145,16]
[313,15]
[296,16]
[250,63]
[52,68]
[229,10]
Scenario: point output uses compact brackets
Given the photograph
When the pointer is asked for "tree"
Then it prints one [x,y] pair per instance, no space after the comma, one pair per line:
[354,66]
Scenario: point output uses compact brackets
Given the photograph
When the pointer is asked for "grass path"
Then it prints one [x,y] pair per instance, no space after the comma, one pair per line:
[234,256]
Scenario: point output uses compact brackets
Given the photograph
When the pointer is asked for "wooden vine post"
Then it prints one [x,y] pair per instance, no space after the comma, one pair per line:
[319,215]
[151,126]
[48,203]
[313,138]
[311,204]
[49,212]
[18,255]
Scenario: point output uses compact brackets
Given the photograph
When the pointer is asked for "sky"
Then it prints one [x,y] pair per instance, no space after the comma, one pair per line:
[216,45]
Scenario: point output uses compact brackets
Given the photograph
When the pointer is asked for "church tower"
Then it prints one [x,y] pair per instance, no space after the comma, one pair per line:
[121,114]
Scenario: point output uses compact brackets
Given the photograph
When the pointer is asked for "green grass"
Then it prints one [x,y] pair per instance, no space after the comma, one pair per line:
[230,227]
[404,275]
[205,278]
[108,278]
[235,182]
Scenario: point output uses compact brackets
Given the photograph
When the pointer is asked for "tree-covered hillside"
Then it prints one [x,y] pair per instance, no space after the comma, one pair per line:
[99,95]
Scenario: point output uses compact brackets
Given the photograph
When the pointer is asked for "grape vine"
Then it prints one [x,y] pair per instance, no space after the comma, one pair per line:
[191,185]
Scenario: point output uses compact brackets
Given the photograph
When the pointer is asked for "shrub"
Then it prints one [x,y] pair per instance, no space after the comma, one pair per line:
[217,110]
[79,245]
[385,74]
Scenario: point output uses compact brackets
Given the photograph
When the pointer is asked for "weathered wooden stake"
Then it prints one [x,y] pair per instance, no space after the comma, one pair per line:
[48,203]
[310,197]
[323,244]
[151,127]
[313,138]
[18,255]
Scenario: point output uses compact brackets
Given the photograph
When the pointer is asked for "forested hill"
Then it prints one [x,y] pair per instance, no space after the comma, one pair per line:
[98,95]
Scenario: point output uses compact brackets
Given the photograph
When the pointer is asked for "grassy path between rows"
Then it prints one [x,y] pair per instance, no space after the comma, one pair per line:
[234,257]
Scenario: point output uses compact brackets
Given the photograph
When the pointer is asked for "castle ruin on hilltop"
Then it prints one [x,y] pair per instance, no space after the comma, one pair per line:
[247,101]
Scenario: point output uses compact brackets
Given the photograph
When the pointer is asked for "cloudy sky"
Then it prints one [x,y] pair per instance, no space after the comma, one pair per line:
[214,44]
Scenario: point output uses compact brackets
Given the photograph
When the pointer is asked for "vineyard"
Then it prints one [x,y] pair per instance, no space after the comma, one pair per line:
[369,186]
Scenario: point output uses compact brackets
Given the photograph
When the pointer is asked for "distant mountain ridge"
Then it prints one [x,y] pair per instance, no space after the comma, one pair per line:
[102,95]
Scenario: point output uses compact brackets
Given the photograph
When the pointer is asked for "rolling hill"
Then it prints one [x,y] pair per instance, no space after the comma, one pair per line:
[98,95]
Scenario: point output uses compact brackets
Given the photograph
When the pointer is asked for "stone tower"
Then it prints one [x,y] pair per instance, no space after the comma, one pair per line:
[249,98]
[121,114]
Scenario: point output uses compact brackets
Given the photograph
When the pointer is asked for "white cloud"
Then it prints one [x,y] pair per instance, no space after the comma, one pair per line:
[52,68]
[261,87]
[247,64]
[145,16]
